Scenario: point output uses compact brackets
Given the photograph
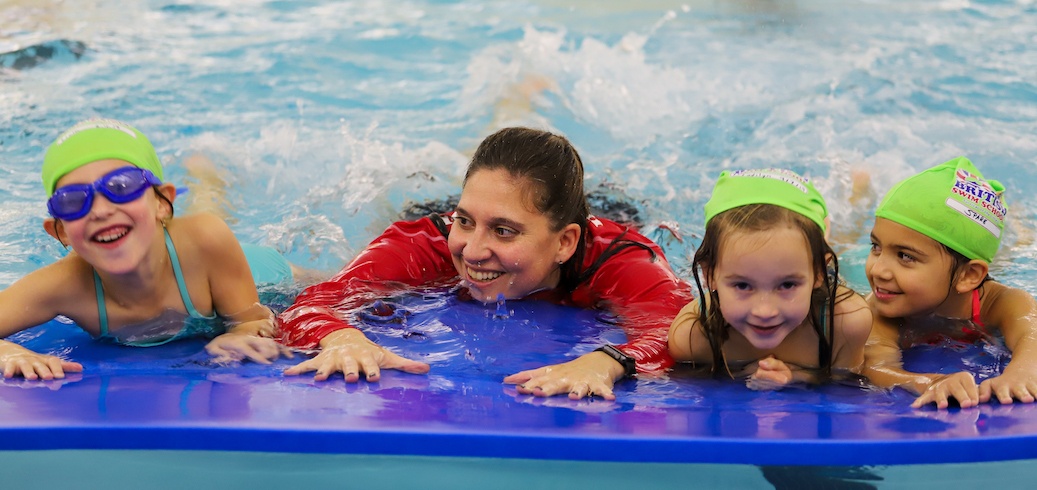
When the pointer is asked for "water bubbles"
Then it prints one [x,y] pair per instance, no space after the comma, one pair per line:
[502,308]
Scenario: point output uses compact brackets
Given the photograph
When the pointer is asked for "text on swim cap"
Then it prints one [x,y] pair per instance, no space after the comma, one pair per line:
[95,124]
[786,176]
[979,192]
[974,215]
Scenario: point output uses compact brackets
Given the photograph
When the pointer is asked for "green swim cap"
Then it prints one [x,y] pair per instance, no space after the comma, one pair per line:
[952,204]
[775,186]
[93,140]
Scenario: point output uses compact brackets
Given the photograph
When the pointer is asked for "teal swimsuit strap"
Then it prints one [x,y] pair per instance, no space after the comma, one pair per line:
[179,274]
[102,310]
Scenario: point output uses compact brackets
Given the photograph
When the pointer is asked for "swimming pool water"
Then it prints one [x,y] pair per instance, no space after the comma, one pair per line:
[331,115]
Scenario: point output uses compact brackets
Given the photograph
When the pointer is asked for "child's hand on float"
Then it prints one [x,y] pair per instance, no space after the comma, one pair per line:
[237,346]
[960,386]
[257,320]
[770,374]
[1014,384]
[350,352]
[17,360]
[589,375]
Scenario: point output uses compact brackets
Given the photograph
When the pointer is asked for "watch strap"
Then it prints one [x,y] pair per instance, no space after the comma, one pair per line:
[628,363]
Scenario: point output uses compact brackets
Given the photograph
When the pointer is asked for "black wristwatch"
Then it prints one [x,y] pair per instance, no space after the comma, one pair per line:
[629,366]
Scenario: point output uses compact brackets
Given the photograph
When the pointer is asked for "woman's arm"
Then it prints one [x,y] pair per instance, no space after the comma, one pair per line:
[407,254]
[640,288]
[412,253]
[646,295]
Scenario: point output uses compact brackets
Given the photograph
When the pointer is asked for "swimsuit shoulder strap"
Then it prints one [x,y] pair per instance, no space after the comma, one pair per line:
[180,283]
[102,309]
[976,306]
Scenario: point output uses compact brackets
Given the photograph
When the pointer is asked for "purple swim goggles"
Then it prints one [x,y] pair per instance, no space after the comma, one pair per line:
[119,186]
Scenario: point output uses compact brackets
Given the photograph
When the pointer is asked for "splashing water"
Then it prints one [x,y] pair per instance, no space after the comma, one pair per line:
[502,308]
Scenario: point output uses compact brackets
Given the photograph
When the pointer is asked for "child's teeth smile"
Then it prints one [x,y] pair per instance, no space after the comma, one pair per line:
[111,235]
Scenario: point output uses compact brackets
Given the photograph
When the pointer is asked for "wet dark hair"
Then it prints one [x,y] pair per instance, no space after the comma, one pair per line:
[762,217]
[554,172]
[164,198]
[958,263]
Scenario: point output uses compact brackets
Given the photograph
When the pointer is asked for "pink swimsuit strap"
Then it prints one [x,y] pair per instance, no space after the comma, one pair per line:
[975,308]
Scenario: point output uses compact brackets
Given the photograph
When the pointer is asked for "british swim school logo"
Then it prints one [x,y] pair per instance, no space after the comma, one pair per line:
[787,176]
[978,201]
[97,123]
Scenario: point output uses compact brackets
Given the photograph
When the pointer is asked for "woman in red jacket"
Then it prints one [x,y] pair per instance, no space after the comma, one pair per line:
[521,230]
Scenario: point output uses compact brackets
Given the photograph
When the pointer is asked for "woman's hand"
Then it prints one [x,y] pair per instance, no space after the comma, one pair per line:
[770,374]
[961,386]
[588,375]
[350,352]
[237,346]
[15,360]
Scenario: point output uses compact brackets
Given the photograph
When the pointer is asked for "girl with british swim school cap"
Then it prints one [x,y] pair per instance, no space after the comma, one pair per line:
[770,309]
[934,236]
[136,275]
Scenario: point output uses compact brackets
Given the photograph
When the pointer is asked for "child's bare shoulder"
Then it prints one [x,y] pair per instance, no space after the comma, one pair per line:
[58,286]
[687,339]
[1000,302]
[204,231]
[849,301]
[992,292]
[853,316]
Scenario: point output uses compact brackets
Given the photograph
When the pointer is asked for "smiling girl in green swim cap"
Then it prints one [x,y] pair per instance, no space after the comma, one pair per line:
[934,237]
[773,312]
[136,275]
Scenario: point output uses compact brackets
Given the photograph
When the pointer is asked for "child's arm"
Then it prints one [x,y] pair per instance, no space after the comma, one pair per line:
[1015,311]
[853,323]
[883,365]
[681,329]
[234,295]
[883,360]
[25,304]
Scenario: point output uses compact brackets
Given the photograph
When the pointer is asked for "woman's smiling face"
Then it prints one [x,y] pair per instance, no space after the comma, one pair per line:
[500,242]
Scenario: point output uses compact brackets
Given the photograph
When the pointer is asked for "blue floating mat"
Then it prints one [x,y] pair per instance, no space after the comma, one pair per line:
[172,397]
